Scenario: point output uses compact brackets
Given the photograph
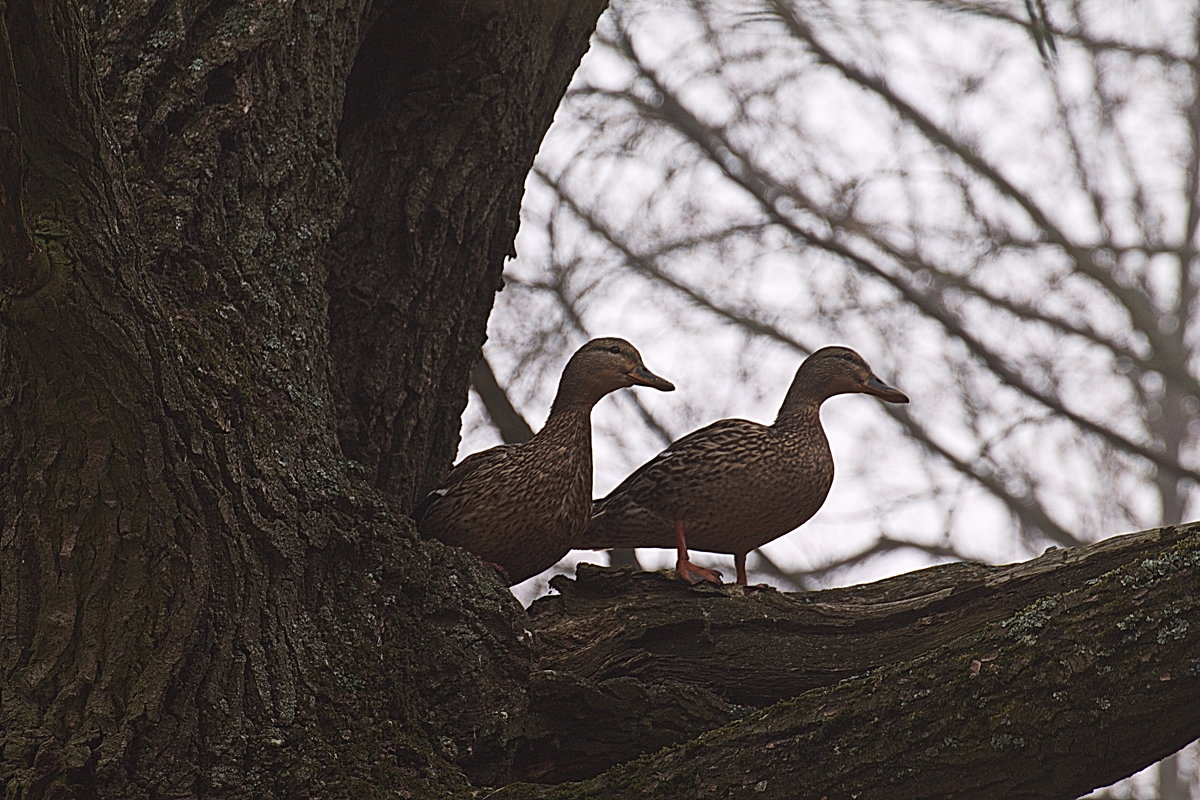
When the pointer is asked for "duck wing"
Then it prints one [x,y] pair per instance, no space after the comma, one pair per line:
[643,501]
[481,463]
[684,454]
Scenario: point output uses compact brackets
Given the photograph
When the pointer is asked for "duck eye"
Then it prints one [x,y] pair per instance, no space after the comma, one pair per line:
[614,349]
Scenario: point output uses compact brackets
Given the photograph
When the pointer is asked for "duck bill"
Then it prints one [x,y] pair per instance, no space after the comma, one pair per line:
[640,376]
[884,392]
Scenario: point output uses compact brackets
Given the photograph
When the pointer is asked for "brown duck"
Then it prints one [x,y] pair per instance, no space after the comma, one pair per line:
[522,506]
[735,485]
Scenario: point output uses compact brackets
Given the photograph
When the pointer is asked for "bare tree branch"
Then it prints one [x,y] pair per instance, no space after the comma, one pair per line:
[737,167]
[508,421]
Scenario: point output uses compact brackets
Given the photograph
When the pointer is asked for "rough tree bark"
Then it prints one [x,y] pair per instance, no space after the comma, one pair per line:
[1037,680]
[201,595]
[445,108]
[243,241]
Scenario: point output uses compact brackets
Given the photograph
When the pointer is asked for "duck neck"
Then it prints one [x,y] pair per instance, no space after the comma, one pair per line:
[802,405]
[569,423]
[577,392]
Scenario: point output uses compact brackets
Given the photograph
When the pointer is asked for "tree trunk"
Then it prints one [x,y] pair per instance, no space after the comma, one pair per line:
[202,596]
[445,108]
[243,241]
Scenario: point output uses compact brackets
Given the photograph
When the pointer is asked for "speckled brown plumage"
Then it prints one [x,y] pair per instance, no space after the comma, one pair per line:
[735,485]
[522,506]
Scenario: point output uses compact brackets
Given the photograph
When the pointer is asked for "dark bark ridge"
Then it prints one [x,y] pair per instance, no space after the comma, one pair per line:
[1041,679]
[24,267]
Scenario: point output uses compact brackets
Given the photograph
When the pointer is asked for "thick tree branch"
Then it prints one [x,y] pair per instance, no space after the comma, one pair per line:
[1041,679]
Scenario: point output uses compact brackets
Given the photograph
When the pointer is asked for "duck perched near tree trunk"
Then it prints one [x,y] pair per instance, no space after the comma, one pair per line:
[523,506]
[735,485]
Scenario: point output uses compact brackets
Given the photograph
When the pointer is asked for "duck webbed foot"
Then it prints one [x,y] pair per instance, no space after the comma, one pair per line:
[693,574]
[687,571]
[739,560]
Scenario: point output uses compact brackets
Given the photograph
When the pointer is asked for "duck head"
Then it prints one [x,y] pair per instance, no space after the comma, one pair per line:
[602,366]
[840,370]
[830,371]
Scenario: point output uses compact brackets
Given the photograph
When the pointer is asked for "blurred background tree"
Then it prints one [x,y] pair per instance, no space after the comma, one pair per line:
[995,203]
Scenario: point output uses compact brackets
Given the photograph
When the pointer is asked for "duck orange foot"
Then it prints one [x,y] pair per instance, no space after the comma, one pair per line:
[692,574]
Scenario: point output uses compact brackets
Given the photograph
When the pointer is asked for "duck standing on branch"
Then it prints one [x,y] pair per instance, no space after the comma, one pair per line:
[522,506]
[735,485]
